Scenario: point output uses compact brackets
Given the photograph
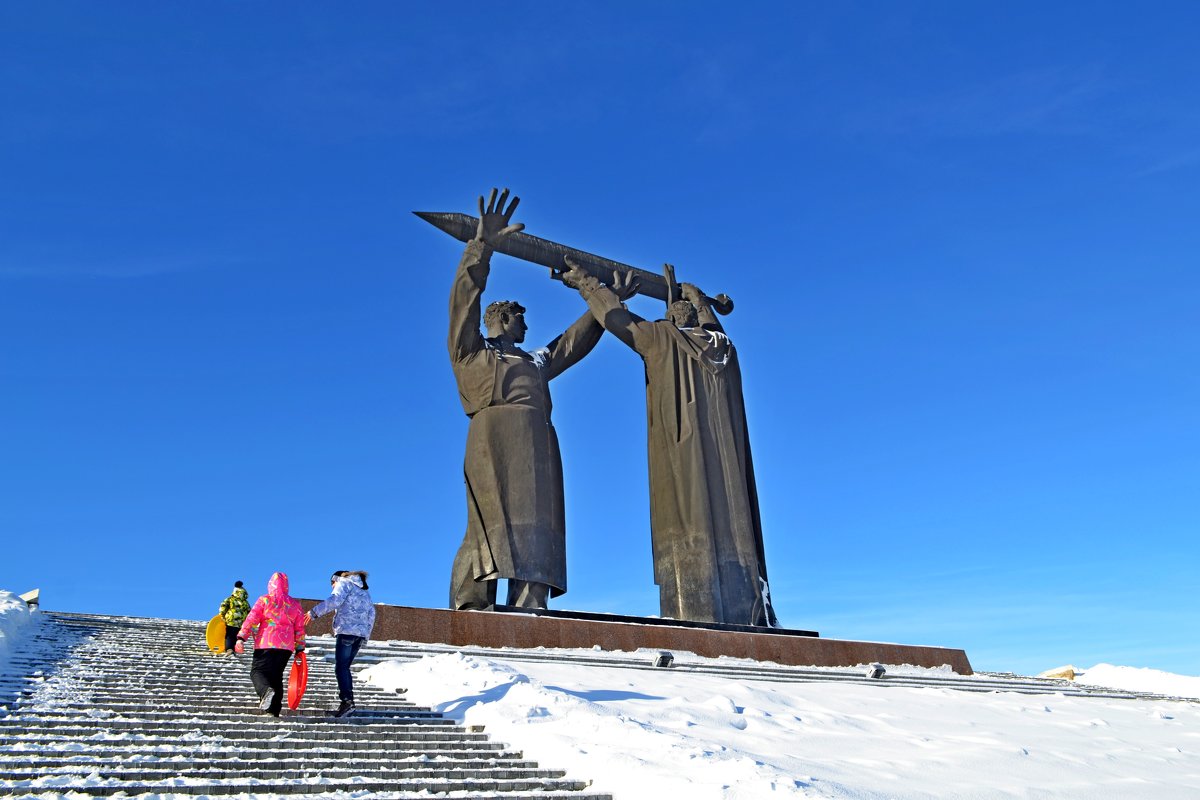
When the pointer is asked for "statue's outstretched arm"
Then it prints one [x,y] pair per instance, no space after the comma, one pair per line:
[573,344]
[606,306]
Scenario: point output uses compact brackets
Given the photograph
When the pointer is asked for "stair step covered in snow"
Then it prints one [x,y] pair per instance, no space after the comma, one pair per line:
[102,706]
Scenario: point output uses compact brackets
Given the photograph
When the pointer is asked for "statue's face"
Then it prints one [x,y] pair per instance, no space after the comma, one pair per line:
[513,326]
[682,314]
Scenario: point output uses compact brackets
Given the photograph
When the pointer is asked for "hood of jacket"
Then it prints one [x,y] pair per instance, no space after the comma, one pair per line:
[353,578]
[241,594]
[277,587]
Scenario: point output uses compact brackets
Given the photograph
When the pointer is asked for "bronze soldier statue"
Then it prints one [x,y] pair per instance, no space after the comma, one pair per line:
[515,523]
[707,537]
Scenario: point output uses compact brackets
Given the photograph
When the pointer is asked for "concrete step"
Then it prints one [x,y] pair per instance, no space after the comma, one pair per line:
[212,683]
[400,749]
[262,727]
[317,757]
[242,704]
[238,707]
[217,713]
[247,771]
[245,736]
[237,787]
[160,794]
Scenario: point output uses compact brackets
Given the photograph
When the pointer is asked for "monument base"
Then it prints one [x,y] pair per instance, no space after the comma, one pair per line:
[677,623]
[513,628]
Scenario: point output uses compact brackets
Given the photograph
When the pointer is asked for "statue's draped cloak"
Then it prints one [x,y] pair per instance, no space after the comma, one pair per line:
[512,468]
[707,536]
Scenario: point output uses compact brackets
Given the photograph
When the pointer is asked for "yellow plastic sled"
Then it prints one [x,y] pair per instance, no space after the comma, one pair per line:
[215,634]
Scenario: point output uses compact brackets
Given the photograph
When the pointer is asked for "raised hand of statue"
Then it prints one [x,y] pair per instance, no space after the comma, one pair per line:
[692,294]
[494,224]
[577,277]
[625,285]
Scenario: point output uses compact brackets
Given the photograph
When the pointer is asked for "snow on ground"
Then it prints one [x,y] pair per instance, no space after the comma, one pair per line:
[654,733]
[14,623]
[642,733]
[1138,679]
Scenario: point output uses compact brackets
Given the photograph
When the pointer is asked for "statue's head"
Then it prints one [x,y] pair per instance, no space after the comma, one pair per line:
[683,314]
[505,318]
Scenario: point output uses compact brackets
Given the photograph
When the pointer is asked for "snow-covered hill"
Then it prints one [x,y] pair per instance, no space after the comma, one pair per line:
[1140,679]
[667,733]
[694,731]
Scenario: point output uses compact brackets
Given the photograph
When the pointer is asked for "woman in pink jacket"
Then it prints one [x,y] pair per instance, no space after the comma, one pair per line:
[278,625]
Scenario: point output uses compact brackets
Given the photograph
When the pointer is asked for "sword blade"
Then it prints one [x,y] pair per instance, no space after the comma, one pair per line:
[547,253]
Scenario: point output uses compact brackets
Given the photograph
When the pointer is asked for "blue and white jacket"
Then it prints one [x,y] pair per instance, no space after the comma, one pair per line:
[354,614]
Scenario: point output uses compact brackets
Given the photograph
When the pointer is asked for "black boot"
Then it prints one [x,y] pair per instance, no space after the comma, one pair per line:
[345,709]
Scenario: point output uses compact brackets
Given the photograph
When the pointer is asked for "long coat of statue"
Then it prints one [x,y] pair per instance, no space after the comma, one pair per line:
[707,536]
[515,522]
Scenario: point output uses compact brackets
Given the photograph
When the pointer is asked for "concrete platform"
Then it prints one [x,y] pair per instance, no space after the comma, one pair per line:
[568,629]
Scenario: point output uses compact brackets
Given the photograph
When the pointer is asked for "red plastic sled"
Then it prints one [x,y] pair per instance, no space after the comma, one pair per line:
[297,680]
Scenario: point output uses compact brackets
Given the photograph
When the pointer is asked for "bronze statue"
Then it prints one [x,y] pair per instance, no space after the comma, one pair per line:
[515,523]
[707,536]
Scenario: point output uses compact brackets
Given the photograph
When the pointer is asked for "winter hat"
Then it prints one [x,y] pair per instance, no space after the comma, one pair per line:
[237,584]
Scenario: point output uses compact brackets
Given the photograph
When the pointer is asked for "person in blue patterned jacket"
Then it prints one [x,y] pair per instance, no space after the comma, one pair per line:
[353,619]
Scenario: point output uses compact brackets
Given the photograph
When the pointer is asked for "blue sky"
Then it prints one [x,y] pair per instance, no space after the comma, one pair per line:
[962,241]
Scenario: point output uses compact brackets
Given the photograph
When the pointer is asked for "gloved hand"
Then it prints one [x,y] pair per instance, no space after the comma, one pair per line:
[299,648]
[240,647]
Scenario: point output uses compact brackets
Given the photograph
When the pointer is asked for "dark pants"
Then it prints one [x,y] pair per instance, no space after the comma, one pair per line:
[267,673]
[344,655]
[231,632]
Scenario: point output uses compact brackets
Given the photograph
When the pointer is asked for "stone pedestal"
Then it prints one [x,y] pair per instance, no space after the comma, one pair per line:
[580,630]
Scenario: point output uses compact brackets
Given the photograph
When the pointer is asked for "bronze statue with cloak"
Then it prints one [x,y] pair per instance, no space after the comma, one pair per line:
[707,536]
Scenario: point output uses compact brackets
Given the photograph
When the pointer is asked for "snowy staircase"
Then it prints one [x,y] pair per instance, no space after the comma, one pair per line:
[100,706]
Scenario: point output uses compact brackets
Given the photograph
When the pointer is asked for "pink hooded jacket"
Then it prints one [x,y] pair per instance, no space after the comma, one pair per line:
[277,618]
